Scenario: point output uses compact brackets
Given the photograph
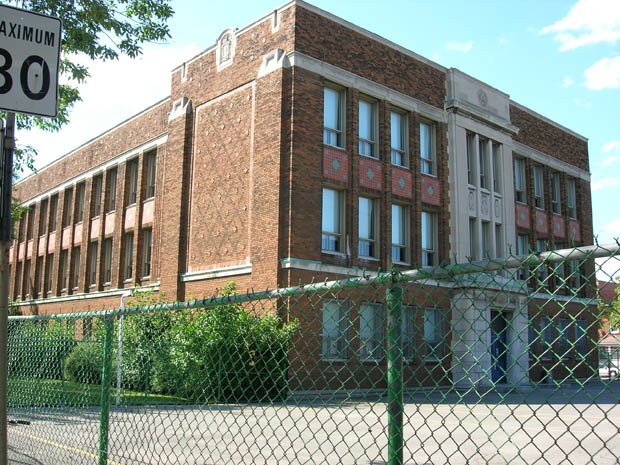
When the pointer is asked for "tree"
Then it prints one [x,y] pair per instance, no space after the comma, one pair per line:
[610,311]
[99,29]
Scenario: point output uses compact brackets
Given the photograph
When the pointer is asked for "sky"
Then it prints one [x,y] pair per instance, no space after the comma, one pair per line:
[561,58]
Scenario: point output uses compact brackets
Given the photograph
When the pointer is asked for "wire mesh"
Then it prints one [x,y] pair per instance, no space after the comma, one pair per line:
[503,361]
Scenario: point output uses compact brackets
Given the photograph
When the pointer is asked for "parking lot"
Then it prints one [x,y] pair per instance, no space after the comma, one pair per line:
[546,425]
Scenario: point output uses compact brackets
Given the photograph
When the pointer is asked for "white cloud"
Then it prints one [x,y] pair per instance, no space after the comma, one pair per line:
[567,81]
[611,146]
[583,103]
[614,227]
[604,183]
[607,268]
[604,74]
[610,161]
[459,46]
[115,91]
[588,22]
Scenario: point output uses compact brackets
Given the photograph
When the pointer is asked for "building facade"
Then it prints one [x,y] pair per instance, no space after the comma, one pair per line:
[304,147]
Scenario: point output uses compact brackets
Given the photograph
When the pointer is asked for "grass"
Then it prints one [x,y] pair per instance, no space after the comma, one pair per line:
[28,392]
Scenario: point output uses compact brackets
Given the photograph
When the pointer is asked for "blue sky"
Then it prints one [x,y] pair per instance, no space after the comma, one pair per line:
[560,58]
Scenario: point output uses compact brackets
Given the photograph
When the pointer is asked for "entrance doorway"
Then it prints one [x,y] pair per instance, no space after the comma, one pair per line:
[499,347]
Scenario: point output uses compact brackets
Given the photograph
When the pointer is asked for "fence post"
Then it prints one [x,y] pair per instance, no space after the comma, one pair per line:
[394,297]
[104,418]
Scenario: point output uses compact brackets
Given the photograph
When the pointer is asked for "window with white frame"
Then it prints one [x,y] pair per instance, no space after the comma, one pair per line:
[43,219]
[147,245]
[523,248]
[398,138]
[471,163]
[107,260]
[64,269]
[400,233]
[368,226]
[67,212]
[546,336]
[128,268]
[428,162]
[408,329]
[520,184]
[556,204]
[132,181]
[335,332]
[75,276]
[368,128]
[333,117]
[80,191]
[53,212]
[434,333]
[49,274]
[581,338]
[151,173]
[564,330]
[371,317]
[483,163]
[429,239]
[539,192]
[497,167]
[110,191]
[332,220]
[571,198]
[97,194]
[487,250]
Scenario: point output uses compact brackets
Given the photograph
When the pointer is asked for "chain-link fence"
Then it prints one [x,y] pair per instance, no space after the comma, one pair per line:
[502,361]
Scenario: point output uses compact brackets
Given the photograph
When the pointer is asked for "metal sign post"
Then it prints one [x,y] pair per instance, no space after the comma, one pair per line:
[29,59]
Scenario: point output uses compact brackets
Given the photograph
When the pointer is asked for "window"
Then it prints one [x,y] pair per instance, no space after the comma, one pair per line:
[427,149]
[541,269]
[368,219]
[532,339]
[546,335]
[132,181]
[497,168]
[92,263]
[581,337]
[75,276]
[368,129]
[110,191]
[26,281]
[18,281]
[43,219]
[64,268]
[151,173]
[499,241]
[487,250]
[483,163]
[146,253]
[471,179]
[574,276]
[335,344]
[433,333]
[332,221]
[564,329]
[79,202]
[429,239]
[49,271]
[371,332]
[473,239]
[30,225]
[520,189]
[556,205]
[128,268]
[96,194]
[539,195]
[38,272]
[523,248]
[333,117]
[408,332]
[53,212]
[107,260]
[400,233]
[398,138]
[67,212]
[571,194]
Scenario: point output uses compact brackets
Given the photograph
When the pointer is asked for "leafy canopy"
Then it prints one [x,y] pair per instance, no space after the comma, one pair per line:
[100,30]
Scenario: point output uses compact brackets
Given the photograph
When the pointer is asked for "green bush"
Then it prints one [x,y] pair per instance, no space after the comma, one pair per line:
[85,363]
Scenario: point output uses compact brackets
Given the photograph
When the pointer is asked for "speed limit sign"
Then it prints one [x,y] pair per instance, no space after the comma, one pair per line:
[29,56]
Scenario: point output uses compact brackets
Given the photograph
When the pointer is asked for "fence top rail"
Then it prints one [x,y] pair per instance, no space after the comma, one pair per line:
[440,272]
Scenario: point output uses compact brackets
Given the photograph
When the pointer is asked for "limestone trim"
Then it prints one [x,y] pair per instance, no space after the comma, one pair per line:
[84,296]
[235,270]
[552,162]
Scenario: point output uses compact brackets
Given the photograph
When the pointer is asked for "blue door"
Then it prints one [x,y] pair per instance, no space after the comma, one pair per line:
[499,346]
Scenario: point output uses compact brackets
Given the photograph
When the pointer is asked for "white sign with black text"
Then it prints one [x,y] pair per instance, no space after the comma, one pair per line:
[29,57]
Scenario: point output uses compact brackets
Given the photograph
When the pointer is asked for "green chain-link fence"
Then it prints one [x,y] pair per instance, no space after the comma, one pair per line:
[482,362]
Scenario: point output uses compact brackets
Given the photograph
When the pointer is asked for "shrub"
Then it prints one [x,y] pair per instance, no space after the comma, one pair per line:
[85,363]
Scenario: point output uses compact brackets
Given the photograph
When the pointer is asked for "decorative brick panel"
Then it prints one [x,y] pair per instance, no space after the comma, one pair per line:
[558,226]
[41,248]
[77,234]
[542,222]
[335,164]
[51,243]
[66,238]
[430,191]
[523,215]
[401,183]
[109,223]
[148,212]
[11,254]
[29,249]
[130,218]
[574,230]
[95,226]
[370,173]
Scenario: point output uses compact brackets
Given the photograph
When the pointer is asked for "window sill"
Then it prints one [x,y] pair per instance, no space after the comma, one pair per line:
[334,360]
[401,263]
[403,167]
[540,209]
[335,254]
[432,360]
[572,218]
[521,203]
[334,146]
[429,175]
[370,157]
[369,259]
[374,361]
[127,280]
